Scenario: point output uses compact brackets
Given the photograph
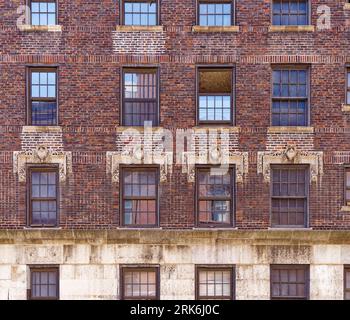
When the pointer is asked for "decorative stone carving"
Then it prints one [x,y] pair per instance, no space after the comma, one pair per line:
[217,157]
[138,156]
[291,156]
[42,155]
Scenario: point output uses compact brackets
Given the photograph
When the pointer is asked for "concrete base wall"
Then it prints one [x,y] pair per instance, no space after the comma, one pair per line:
[89,261]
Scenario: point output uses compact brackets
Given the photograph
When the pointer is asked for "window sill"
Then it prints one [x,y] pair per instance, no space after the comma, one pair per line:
[215,29]
[136,128]
[31,28]
[345,107]
[291,130]
[139,28]
[345,209]
[41,129]
[215,127]
[42,228]
[308,28]
[289,229]
[346,6]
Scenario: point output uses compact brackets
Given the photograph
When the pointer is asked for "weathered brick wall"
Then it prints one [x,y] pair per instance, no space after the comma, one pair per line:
[89,53]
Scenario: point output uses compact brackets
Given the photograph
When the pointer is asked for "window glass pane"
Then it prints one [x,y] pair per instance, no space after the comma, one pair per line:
[290,12]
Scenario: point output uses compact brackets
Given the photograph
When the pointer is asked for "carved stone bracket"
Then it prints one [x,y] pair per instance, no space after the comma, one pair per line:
[137,156]
[215,157]
[291,156]
[42,155]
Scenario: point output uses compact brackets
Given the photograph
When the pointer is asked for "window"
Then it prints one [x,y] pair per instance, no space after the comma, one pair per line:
[347,283]
[347,185]
[289,196]
[44,283]
[215,13]
[140,13]
[289,282]
[215,195]
[43,13]
[348,86]
[290,12]
[140,197]
[140,99]
[290,97]
[215,283]
[215,95]
[139,283]
[43,191]
[43,96]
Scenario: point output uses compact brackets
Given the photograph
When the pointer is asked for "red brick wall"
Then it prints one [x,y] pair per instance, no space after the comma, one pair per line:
[90,53]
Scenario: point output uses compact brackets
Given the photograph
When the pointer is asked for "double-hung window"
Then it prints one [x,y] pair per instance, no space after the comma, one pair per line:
[215,95]
[290,12]
[140,197]
[140,96]
[215,197]
[289,196]
[43,12]
[215,13]
[43,195]
[290,100]
[140,13]
[42,100]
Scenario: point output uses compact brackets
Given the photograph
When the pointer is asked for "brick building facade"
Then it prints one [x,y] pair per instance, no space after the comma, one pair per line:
[265,87]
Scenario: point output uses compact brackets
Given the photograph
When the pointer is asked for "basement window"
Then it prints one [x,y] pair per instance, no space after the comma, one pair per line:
[139,283]
[290,12]
[44,283]
[215,283]
[43,13]
[215,95]
[289,282]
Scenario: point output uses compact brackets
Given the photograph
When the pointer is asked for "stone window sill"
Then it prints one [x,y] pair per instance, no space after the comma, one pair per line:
[308,28]
[139,28]
[290,130]
[345,107]
[346,6]
[137,128]
[215,29]
[289,229]
[31,28]
[41,129]
[345,209]
[221,127]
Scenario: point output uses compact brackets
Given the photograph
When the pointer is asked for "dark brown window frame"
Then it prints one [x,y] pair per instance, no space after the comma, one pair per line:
[42,168]
[126,69]
[306,67]
[232,169]
[309,13]
[347,84]
[233,9]
[289,267]
[40,68]
[346,290]
[121,192]
[307,186]
[29,2]
[233,94]
[139,267]
[122,16]
[346,169]
[216,267]
[43,268]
